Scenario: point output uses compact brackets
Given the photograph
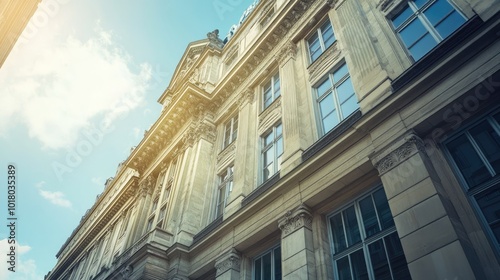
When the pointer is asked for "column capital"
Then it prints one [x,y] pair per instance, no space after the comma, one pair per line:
[398,152]
[288,51]
[146,186]
[331,3]
[246,97]
[294,220]
[229,261]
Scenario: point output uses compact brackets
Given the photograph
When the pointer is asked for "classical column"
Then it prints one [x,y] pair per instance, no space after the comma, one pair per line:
[297,250]
[292,128]
[228,266]
[432,236]
[244,160]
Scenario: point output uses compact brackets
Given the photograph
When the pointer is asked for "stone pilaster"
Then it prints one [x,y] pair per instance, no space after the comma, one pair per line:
[143,202]
[433,239]
[297,249]
[228,266]
[292,128]
[244,160]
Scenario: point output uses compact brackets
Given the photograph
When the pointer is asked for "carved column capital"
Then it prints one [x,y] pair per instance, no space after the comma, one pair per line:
[405,148]
[230,261]
[288,51]
[294,220]
[246,97]
[146,186]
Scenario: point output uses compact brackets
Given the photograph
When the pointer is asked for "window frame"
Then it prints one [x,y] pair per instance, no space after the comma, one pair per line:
[232,125]
[318,32]
[273,262]
[272,145]
[365,240]
[225,182]
[275,93]
[332,90]
[471,192]
[418,14]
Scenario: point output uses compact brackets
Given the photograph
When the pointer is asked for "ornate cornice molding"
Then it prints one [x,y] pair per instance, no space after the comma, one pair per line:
[230,261]
[294,220]
[411,145]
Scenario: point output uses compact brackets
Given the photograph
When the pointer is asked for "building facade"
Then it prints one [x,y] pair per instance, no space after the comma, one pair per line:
[343,139]
[14,16]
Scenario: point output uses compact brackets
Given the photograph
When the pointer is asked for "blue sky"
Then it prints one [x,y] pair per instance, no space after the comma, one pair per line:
[76,93]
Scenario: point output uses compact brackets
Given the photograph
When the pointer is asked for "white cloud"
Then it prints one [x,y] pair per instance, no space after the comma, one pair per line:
[97,180]
[56,198]
[58,86]
[25,269]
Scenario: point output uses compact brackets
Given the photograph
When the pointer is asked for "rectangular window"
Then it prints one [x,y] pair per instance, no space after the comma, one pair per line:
[268,265]
[322,38]
[161,216]
[335,98]
[475,153]
[224,189]
[230,131]
[271,90]
[421,24]
[365,243]
[150,224]
[272,150]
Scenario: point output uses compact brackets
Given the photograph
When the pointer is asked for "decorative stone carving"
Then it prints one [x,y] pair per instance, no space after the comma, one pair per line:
[288,51]
[146,186]
[294,220]
[331,3]
[228,262]
[412,144]
[246,97]
[214,39]
[385,4]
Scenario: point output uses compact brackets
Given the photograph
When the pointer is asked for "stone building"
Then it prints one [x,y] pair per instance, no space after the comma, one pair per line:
[14,16]
[345,139]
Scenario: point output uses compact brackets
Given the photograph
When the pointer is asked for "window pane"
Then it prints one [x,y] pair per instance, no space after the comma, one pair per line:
[277,263]
[330,121]
[351,226]
[437,11]
[412,32]
[422,47]
[349,106]
[324,88]
[268,139]
[420,3]
[340,73]
[345,90]
[468,161]
[369,216]
[337,233]
[489,202]
[269,157]
[402,17]
[359,266]
[489,142]
[266,266]
[450,24]
[397,258]
[379,261]
[327,105]
[383,210]
[257,269]
[279,130]
[344,269]
[279,147]
[328,36]
[314,47]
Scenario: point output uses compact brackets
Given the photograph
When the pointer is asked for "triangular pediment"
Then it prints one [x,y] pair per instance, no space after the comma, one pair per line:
[188,60]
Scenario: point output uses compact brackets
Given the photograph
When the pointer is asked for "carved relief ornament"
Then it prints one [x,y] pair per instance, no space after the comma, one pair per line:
[294,220]
[288,51]
[412,144]
[230,261]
